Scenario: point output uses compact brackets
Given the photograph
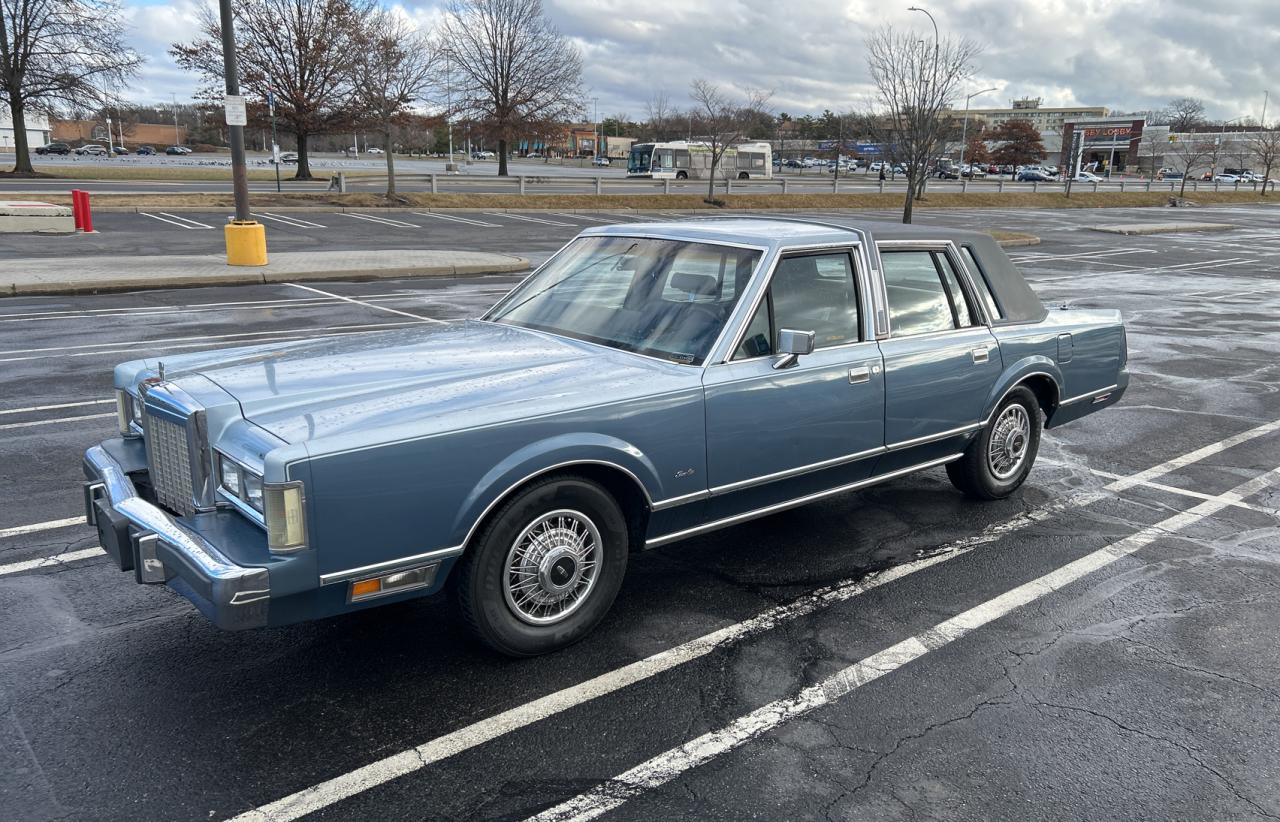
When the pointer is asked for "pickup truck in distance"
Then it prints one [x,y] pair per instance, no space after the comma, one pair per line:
[648,383]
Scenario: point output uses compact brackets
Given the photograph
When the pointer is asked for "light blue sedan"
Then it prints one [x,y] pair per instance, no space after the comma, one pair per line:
[649,383]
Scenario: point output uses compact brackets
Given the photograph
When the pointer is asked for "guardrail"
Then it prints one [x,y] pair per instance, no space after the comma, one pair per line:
[598,184]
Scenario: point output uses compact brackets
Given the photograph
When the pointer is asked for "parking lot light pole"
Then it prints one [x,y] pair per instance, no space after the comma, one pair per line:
[1222,144]
[964,127]
[246,239]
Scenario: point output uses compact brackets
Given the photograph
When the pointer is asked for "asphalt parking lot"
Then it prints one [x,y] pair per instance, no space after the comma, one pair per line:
[1099,646]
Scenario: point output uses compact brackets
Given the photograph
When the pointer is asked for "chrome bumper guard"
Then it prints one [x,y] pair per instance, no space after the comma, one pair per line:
[159,549]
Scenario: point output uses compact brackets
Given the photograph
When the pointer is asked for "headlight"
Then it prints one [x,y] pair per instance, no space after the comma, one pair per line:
[286,522]
[239,482]
[252,490]
[229,476]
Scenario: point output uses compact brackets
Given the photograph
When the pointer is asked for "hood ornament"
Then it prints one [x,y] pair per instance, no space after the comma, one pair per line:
[161,370]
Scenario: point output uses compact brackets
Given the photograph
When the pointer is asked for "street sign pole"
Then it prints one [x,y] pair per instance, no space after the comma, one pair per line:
[246,239]
[275,142]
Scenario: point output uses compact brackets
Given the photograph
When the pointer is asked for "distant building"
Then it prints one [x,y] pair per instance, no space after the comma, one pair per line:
[1102,143]
[37,130]
[1046,120]
[135,134]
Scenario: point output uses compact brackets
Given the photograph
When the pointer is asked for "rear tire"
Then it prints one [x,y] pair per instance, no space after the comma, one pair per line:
[680,175]
[998,460]
[545,568]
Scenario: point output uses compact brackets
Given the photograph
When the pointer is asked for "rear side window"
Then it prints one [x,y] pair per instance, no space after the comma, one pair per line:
[918,301]
[980,282]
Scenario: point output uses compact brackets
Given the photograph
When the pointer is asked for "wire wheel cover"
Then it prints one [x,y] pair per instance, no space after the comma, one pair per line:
[552,567]
[1010,438]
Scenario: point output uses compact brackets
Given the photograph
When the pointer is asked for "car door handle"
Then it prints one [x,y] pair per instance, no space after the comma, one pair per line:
[862,373]
[981,355]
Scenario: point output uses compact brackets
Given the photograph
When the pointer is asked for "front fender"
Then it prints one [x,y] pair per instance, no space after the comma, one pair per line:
[548,455]
[1029,366]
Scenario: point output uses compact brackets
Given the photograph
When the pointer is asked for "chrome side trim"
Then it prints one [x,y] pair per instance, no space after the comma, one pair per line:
[403,563]
[672,502]
[941,435]
[795,472]
[794,503]
[1089,394]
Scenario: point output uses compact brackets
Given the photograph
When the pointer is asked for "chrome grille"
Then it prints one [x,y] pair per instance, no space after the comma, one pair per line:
[169,461]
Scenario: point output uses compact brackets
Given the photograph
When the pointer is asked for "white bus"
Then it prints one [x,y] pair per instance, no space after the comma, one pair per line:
[683,160]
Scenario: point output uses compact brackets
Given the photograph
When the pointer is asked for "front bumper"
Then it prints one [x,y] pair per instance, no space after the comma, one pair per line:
[141,537]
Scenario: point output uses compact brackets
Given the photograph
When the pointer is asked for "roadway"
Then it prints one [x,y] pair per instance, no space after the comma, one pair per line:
[1099,646]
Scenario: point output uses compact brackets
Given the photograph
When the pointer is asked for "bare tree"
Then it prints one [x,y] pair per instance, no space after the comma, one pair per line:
[1266,148]
[59,53]
[394,68]
[658,112]
[1189,155]
[1181,115]
[302,51]
[915,83]
[518,71]
[724,121]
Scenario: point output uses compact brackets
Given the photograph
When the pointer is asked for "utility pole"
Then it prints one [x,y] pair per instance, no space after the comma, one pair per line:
[176,140]
[448,112]
[964,127]
[246,239]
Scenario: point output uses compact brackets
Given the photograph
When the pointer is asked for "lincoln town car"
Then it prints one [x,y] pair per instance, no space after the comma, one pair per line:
[647,384]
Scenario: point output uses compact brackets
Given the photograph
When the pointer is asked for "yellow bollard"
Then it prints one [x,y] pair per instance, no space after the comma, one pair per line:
[246,243]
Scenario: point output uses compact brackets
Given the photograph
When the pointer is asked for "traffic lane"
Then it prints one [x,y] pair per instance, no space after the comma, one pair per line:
[371,703]
[1116,697]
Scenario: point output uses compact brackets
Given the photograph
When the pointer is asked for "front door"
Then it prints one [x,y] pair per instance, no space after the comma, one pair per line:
[775,434]
[941,361]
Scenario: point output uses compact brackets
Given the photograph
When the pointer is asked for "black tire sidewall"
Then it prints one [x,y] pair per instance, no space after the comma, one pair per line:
[482,599]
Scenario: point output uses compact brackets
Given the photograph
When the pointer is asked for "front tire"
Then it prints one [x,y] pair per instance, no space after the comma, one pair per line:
[545,567]
[680,175]
[998,460]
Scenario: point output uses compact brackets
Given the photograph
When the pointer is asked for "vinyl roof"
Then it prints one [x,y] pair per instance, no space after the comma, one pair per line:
[769,230]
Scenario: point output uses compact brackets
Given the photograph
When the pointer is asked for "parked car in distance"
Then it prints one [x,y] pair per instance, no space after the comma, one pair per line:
[1033,175]
[1087,177]
[119,150]
[640,388]
[973,171]
[286,158]
[482,155]
[534,156]
[600,161]
[1226,178]
[145,151]
[374,150]
[177,151]
[92,150]
[54,148]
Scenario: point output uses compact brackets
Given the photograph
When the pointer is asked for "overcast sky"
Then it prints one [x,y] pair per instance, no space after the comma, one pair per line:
[1123,54]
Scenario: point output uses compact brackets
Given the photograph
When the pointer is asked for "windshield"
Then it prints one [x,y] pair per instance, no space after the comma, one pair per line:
[638,162]
[663,298]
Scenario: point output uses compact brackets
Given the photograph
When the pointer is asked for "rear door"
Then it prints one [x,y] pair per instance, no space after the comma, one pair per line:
[941,361]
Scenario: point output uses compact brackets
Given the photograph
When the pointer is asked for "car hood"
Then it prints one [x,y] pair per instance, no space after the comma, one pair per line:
[443,376]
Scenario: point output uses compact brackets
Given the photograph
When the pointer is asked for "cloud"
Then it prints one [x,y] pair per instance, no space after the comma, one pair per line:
[1123,54]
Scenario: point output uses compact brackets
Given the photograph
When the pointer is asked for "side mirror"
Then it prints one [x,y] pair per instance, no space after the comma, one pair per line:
[792,345]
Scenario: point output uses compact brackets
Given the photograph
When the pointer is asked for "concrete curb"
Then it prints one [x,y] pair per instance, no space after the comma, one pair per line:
[1018,242]
[257,277]
[1161,228]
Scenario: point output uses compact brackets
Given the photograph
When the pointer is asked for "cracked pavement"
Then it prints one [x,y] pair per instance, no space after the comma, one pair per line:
[1146,690]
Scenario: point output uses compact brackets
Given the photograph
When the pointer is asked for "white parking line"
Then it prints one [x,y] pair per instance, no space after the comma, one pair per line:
[173,219]
[665,767]
[583,217]
[1169,466]
[33,408]
[332,791]
[383,220]
[19,530]
[455,219]
[355,301]
[296,222]
[50,562]
[529,219]
[9,426]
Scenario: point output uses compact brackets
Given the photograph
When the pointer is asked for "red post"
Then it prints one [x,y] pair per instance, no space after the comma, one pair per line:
[75,207]
[86,213]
